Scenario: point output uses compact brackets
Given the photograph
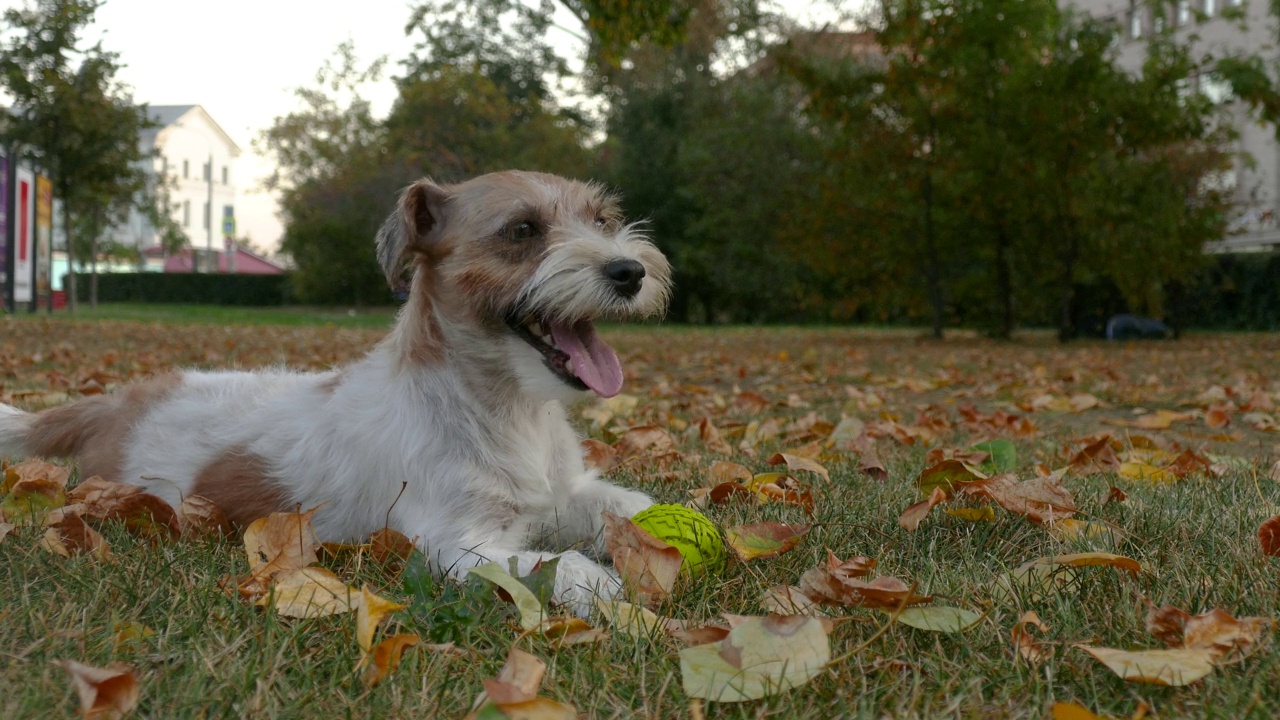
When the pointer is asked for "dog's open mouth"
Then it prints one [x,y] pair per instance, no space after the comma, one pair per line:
[573,352]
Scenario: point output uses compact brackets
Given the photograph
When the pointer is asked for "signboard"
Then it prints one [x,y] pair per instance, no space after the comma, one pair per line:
[228,221]
[24,205]
[5,203]
[44,239]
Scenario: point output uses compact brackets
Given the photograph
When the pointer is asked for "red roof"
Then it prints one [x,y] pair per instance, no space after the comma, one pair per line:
[247,263]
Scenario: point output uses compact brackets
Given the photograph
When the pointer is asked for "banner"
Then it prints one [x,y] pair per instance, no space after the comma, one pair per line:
[24,205]
[44,239]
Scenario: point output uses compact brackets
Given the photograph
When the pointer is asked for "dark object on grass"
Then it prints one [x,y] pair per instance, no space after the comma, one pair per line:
[1133,327]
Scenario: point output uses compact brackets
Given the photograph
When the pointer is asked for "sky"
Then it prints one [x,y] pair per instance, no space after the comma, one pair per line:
[241,60]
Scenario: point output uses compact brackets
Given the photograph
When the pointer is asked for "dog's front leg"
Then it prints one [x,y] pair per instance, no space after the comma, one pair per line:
[578,522]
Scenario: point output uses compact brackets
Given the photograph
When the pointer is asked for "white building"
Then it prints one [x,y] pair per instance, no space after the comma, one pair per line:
[1216,25]
[198,158]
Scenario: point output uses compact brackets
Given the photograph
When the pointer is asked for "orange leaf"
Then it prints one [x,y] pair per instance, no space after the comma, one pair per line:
[104,692]
[599,455]
[70,536]
[385,657]
[911,518]
[648,566]
[764,540]
[1041,499]
[723,471]
[199,516]
[1269,536]
[1028,649]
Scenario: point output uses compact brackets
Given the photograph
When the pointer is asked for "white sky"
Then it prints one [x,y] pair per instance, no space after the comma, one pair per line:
[241,59]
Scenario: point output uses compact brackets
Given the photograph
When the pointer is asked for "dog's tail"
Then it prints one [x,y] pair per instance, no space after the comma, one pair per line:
[15,426]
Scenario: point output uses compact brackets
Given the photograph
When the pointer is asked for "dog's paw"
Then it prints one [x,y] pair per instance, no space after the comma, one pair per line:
[580,580]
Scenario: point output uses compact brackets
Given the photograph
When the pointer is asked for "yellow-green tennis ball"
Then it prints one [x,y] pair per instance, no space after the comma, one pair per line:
[688,531]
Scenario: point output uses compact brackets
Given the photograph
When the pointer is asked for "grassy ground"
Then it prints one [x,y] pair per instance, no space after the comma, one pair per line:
[215,656]
[379,317]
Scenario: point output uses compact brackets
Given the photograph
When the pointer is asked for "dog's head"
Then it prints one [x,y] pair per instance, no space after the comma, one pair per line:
[517,267]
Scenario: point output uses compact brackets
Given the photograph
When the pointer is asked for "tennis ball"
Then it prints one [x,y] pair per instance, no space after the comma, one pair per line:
[690,532]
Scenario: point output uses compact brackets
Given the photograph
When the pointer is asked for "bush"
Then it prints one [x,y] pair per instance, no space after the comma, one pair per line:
[213,289]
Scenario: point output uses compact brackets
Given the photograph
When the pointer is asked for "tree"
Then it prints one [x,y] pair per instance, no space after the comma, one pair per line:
[70,110]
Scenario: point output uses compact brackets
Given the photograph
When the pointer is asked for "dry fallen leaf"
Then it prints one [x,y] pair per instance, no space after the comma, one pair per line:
[1269,536]
[647,566]
[938,618]
[1072,711]
[1027,647]
[280,542]
[711,438]
[759,657]
[104,692]
[310,592]
[385,657]
[764,540]
[634,621]
[599,455]
[1160,667]
[199,516]
[70,536]
[911,518]
[796,462]
[34,470]
[515,692]
[1227,638]
[370,613]
[1040,499]
[789,600]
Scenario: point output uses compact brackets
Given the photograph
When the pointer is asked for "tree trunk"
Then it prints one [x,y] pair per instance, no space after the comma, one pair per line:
[71,254]
[93,270]
[1066,320]
[1004,282]
[932,266]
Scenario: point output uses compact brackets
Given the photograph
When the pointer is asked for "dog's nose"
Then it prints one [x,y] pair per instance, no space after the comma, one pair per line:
[626,275]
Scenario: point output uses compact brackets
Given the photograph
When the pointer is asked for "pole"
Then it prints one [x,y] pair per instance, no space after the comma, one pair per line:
[208,215]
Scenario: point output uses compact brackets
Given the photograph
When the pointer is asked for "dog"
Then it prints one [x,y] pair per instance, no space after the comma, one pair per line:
[452,430]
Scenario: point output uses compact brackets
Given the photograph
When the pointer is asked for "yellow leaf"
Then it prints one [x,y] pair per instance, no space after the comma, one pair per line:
[760,657]
[281,542]
[1072,711]
[370,614]
[634,621]
[310,592]
[127,636]
[979,514]
[1143,471]
[1072,529]
[1177,667]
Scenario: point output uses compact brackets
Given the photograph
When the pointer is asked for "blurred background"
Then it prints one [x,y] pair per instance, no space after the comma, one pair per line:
[982,164]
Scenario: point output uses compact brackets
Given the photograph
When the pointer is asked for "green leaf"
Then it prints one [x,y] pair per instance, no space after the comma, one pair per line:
[948,475]
[531,610]
[939,618]
[1004,456]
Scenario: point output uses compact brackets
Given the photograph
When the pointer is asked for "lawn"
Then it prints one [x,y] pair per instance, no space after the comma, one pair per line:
[841,397]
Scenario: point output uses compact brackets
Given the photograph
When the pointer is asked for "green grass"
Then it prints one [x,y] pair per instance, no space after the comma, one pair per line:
[378,317]
[213,655]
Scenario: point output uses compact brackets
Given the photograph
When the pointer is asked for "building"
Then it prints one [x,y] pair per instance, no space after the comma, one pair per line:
[198,158]
[1217,29]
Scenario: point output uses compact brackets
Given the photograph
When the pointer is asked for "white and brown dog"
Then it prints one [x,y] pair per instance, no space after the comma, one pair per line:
[452,430]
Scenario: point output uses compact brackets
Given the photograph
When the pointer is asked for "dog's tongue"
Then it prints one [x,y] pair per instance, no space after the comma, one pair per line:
[594,362]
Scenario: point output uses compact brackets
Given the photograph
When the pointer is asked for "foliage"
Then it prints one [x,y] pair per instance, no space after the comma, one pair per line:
[72,112]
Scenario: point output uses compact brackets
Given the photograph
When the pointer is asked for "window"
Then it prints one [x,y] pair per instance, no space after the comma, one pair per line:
[1210,6]
[224,175]
[186,211]
[186,169]
[164,166]
[1184,13]
[207,171]
[1135,23]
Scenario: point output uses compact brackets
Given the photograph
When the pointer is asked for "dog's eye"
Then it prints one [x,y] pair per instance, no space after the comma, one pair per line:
[600,221]
[525,231]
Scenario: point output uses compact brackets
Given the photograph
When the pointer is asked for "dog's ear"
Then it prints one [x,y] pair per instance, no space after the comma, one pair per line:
[414,226]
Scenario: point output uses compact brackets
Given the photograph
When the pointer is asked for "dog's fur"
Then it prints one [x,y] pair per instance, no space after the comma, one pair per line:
[454,408]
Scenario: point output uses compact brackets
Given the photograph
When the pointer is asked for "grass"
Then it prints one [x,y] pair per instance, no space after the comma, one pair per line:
[290,316]
[215,656]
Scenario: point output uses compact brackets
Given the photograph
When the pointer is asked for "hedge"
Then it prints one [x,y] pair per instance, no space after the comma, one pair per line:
[212,289]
